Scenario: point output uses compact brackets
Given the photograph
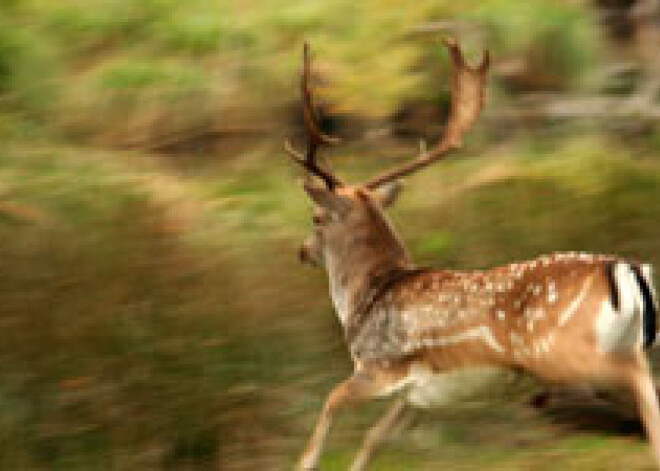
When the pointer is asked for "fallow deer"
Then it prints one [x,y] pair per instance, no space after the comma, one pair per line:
[412,332]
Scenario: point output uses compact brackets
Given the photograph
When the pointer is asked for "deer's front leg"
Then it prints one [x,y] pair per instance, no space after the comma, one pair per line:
[377,434]
[361,386]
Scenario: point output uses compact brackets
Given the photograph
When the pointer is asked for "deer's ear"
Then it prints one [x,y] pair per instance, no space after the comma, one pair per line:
[325,198]
[388,193]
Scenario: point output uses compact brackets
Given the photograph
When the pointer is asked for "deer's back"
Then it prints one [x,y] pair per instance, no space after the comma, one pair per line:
[489,314]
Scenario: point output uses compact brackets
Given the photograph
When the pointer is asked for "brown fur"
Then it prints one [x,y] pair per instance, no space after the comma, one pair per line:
[537,316]
[564,318]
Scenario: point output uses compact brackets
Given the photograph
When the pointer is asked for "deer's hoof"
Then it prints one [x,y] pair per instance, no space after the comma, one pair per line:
[307,464]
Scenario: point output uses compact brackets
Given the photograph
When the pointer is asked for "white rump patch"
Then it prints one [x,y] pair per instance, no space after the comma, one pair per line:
[617,330]
[621,329]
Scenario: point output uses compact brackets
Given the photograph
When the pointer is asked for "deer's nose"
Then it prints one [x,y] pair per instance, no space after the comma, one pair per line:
[307,254]
[303,254]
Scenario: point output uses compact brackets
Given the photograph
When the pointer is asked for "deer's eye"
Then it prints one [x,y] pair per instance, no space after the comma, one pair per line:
[317,220]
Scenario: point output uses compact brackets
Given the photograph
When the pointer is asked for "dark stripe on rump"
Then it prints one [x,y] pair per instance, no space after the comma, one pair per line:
[614,289]
[649,317]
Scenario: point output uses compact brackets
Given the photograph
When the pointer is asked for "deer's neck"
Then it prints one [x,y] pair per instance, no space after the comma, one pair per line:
[356,267]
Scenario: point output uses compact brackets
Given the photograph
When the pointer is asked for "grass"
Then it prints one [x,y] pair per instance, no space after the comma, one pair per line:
[147,324]
[154,315]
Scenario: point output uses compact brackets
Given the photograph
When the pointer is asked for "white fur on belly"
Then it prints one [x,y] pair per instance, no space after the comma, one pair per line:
[428,389]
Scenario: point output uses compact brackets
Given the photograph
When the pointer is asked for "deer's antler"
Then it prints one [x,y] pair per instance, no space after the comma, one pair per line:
[467,90]
[315,137]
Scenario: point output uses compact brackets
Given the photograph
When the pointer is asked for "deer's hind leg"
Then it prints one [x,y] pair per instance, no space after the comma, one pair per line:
[365,384]
[643,388]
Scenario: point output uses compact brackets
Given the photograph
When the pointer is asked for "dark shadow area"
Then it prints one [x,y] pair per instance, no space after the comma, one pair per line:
[572,412]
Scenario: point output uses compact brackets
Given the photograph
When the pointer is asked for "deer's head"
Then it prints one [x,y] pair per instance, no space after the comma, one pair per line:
[350,218]
[353,210]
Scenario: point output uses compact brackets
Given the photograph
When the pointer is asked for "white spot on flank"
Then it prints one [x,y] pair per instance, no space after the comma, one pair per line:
[534,313]
[552,293]
[538,347]
[546,345]
[501,315]
[516,339]
[575,304]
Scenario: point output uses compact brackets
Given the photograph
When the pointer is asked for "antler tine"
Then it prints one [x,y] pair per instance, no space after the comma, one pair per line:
[467,89]
[315,137]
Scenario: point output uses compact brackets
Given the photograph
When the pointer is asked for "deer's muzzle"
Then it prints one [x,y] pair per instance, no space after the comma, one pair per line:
[308,253]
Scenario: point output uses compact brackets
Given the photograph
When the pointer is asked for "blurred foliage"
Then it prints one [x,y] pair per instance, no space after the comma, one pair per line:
[153,313]
[375,54]
[563,34]
[24,88]
[147,321]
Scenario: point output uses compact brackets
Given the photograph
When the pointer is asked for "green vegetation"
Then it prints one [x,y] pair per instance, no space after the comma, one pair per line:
[174,66]
[146,322]
[154,315]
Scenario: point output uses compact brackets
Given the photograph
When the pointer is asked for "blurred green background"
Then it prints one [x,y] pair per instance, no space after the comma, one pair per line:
[153,315]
